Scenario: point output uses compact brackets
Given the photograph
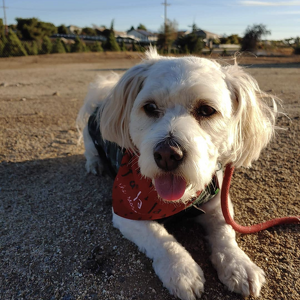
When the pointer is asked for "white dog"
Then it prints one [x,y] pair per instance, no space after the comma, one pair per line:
[176,121]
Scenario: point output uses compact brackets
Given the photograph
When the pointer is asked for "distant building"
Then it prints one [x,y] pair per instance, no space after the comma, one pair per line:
[121,34]
[142,35]
[99,29]
[206,35]
[183,33]
[74,29]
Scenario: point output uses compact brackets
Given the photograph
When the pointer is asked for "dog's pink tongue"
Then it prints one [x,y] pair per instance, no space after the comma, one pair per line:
[170,187]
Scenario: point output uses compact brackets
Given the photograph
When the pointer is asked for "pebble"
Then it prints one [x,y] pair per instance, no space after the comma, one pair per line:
[4,84]
[56,94]
[23,99]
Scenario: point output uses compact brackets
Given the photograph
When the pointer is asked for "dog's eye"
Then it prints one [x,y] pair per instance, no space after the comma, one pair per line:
[205,111]
[151,109]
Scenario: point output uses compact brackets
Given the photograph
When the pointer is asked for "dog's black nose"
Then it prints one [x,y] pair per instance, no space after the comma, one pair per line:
[168,155]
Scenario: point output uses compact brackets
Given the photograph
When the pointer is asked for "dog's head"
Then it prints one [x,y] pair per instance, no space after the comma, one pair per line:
[183,116]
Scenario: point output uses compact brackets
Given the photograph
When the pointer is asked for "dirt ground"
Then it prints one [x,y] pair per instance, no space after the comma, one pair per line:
[56,237]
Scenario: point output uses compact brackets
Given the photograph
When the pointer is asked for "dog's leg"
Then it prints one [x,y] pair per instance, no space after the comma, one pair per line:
[234,267]
[179,273]
[93,162]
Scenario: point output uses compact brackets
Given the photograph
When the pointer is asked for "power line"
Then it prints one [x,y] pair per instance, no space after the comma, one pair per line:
[119,7]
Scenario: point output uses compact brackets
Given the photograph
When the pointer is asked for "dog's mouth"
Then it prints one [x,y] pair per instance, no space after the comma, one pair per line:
[170,187]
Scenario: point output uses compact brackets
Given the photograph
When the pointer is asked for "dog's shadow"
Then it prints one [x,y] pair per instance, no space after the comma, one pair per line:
[57,230]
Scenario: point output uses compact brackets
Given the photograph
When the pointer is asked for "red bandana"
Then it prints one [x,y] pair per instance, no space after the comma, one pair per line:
[135,197]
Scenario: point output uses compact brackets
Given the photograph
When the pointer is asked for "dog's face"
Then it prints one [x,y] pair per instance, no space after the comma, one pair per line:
[178,124]
[183,116]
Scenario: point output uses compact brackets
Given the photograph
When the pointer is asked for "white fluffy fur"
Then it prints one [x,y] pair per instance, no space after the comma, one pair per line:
[241,128]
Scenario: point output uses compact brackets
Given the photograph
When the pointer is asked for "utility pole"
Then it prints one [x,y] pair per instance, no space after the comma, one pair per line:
[5,23]
[166,20]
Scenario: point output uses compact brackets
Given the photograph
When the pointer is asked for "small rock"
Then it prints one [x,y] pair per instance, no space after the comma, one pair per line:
[56,94]
[4,84]
[23,99]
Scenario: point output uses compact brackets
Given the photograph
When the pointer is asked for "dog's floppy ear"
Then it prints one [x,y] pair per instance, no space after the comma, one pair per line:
[253,119]
[115,113]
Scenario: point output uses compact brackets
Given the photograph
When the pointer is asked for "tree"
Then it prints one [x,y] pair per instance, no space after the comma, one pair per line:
[96,47]
[31,48]
[2,37]
[123,46]
[62,29]
[33,29]
[190,43]
[3,41]
[46,46]
[13,46]
[167,36]
[88,31]
[235,39]
[231,39]
[297,45]
[253,36]
[78,46]
[135,47]
[66,46]
[111,43]
[131,28]
[142,27]
[58,47]
[1,28]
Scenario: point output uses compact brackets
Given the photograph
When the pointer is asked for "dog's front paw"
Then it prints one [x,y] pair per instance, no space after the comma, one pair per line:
[93,165]
[238,272]
[181,275]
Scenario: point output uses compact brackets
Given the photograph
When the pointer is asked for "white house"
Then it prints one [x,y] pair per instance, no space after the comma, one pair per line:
[74,29]
[142,35]
[206,35]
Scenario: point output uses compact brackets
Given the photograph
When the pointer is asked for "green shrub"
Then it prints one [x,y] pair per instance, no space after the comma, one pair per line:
[224,53]
[13,46]
[135,47]
[96,47]
[46,46]
[78,46]
[58,47]
[31,48]
[123,47]
[190,44]
[186,49]
[34,29]
[111,43]
[297,46]
[62,29]
[67,47]
[3,41]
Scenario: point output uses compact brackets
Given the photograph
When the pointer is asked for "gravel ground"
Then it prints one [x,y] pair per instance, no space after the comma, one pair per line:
[56,237]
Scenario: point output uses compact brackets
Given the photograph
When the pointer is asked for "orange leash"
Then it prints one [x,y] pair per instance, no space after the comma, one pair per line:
[246,229]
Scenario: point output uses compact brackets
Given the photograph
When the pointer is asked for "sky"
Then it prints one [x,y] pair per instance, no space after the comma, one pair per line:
[282,18]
